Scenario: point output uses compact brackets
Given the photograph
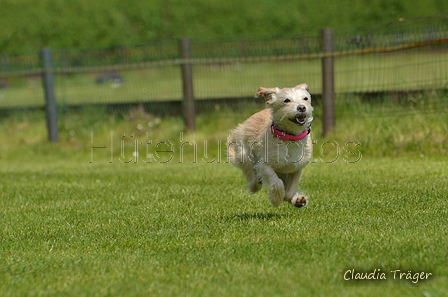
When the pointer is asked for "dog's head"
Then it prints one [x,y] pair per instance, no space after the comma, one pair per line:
[291,107]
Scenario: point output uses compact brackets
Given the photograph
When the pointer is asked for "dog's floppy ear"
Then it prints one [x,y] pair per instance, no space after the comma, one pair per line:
[302,86]
[268,93]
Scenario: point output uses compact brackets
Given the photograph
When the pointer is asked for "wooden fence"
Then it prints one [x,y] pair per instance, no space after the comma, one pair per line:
[325,47]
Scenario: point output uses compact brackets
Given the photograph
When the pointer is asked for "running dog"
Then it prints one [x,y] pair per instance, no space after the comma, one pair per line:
[273,146]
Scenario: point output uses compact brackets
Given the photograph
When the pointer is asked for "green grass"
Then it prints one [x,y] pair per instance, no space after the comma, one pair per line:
[73,225]
[73,228]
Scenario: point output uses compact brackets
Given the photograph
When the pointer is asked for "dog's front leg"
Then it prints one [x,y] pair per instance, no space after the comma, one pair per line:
[291,195]
[272,182]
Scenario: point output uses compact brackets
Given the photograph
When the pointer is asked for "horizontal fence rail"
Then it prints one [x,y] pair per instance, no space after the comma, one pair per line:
[218,60]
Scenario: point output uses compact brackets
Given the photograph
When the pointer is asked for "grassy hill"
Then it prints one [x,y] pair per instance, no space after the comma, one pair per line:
[28,25]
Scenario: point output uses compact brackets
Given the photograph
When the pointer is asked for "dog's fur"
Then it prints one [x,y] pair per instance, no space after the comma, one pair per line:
[265,159]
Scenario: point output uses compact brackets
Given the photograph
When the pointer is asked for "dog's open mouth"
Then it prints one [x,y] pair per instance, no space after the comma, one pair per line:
[299,119]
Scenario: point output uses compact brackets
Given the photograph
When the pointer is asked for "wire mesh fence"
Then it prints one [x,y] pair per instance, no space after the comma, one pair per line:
[400,56]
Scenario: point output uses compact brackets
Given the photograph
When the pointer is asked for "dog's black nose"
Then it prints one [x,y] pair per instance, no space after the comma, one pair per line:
[301,108]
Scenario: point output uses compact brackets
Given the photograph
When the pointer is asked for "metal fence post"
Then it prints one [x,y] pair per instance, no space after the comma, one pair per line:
[188,108]
[328,112]
[48,82]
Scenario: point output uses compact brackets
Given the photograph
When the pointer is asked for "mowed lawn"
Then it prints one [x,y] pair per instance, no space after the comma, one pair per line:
[74,228]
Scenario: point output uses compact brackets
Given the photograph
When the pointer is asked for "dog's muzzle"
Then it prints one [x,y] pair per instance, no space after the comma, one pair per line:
[300,117]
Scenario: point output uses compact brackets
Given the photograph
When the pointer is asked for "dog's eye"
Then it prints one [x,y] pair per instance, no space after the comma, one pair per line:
[306,98]
[287,100]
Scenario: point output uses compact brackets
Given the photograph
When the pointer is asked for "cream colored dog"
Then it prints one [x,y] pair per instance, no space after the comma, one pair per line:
[273,146]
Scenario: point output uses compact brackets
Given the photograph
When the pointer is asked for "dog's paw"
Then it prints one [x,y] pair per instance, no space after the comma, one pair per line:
[276,193]
[254,186]
[299,201]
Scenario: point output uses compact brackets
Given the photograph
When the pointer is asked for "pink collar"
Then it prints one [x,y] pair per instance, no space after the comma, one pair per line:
[289,137]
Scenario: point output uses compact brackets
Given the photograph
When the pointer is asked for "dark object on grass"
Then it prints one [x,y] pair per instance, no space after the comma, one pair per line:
[113,78]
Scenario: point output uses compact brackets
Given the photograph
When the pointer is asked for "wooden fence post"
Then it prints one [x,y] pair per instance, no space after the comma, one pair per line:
[328,112]
[50,101]
[5,62]
[188,109]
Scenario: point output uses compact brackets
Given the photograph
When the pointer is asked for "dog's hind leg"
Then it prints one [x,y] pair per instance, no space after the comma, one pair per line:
[238,156]
[291,195]
[253,180]
[254,185]
[272,182]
